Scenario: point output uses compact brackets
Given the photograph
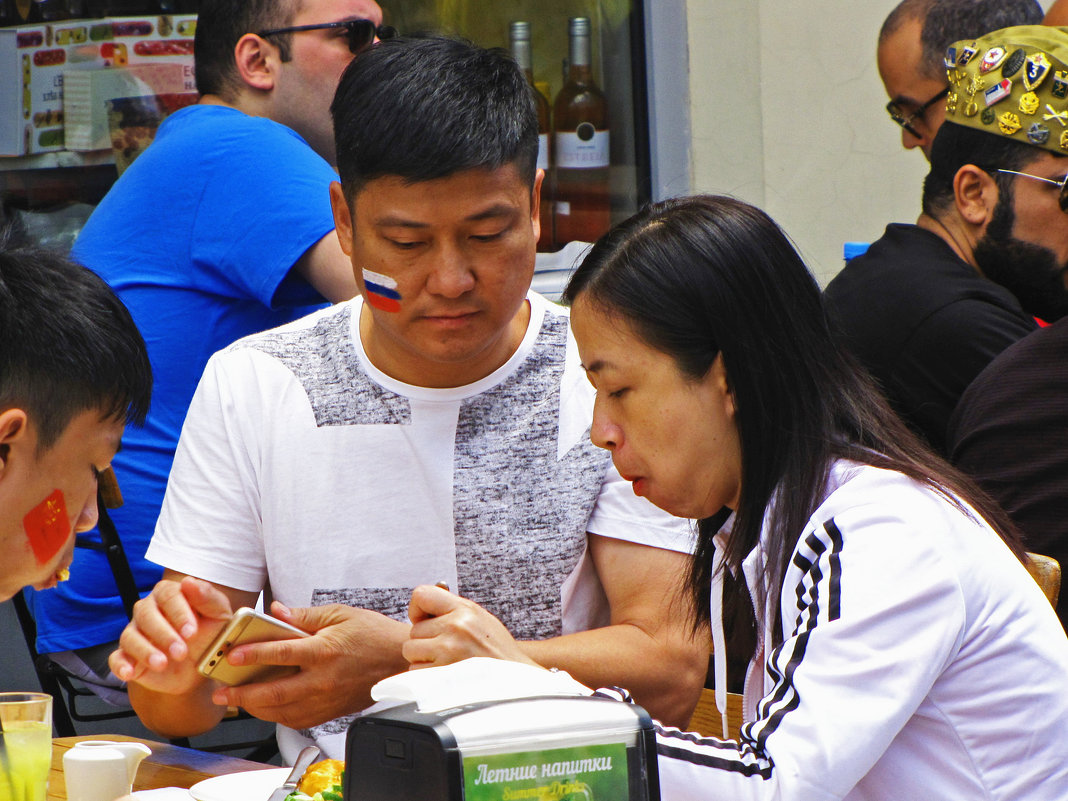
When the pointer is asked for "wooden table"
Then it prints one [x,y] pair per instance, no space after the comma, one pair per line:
[167,766]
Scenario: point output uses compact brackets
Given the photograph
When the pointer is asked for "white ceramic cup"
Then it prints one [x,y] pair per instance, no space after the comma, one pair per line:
[101,770]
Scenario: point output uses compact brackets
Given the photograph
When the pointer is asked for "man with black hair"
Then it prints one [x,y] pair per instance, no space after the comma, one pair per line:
[73,372]
[221,228]
[930,305]
[435,428]
[912,45]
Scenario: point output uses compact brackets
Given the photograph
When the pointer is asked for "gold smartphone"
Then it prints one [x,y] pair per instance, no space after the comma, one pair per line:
[247,626]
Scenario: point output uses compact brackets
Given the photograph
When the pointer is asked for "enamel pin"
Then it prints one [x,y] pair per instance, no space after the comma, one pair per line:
[1036,68]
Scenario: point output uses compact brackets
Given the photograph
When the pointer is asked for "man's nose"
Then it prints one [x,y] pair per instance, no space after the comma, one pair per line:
[910,140]
[452,276]
[88,516]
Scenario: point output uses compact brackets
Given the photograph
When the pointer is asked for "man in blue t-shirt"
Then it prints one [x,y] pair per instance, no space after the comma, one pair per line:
[221,228]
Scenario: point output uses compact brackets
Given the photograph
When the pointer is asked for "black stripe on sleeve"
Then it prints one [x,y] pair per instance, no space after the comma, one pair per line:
[819,586]
[763,769]
[811,590]
[785,698]
[806,590]
[834,603]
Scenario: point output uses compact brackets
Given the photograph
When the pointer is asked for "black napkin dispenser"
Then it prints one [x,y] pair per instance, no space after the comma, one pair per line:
[556,748]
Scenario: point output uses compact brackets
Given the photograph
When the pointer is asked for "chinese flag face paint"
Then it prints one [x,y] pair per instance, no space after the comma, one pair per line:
[48,527]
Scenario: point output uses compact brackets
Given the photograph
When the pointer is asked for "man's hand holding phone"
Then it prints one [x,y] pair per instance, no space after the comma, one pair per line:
[171,626]
[245,627]
[351,649]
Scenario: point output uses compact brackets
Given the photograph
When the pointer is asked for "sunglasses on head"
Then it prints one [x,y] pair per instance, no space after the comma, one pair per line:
[360,32]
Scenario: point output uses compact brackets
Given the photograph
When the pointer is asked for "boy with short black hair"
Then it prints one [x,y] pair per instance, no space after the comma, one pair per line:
[73,372]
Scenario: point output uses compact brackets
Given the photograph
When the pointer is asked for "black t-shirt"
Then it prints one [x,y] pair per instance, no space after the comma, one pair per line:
[923,322]
[1010,433]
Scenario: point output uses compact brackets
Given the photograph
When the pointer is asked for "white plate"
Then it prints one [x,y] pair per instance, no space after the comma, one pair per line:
[250,785]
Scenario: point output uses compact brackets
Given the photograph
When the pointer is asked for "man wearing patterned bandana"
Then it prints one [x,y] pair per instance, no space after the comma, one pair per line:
[435,428]
[930,305]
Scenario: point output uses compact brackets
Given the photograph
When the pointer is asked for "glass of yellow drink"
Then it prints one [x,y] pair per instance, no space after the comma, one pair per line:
[25,746]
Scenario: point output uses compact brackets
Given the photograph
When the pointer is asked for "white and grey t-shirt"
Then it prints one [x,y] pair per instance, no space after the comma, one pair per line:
[304,468]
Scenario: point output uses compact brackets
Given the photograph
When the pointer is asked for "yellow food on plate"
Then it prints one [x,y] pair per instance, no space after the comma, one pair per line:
[322,777]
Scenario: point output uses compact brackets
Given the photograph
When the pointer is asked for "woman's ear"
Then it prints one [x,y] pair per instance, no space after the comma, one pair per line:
[722,382]
[975,193]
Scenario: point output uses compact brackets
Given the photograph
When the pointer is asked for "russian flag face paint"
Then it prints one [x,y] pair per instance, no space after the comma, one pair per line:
[381,291]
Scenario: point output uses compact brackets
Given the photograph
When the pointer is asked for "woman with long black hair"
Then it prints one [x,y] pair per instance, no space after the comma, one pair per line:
[897,646]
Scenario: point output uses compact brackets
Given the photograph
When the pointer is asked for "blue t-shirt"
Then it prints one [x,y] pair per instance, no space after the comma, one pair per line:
[198,237]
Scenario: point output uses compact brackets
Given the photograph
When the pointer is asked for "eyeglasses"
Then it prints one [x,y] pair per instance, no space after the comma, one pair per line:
[1062,185]
[898,116]
[360,32]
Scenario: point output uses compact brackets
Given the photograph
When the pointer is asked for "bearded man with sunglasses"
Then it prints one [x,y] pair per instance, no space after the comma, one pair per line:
[1010,430]
[930,305]
[220,229]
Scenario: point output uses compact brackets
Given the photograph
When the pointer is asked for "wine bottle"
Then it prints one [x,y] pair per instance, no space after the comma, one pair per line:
[519,36]
[582,208]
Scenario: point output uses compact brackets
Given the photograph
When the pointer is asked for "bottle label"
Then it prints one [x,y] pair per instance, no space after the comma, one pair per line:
[543,151]
[583,149]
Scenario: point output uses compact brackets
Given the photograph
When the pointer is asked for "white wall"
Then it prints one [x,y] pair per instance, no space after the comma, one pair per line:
[787,112]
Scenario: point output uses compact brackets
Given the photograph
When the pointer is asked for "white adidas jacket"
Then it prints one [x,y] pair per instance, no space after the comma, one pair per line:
[921,662]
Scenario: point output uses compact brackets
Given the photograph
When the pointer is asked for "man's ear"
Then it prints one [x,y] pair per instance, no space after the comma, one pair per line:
[535,202]
[342,217]
[975,193]
[13,425]
[256,60]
